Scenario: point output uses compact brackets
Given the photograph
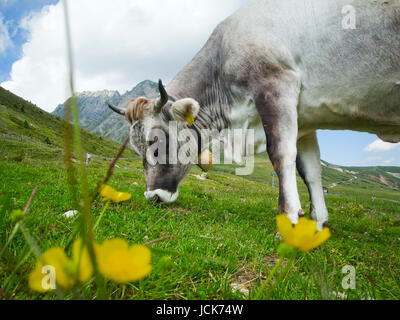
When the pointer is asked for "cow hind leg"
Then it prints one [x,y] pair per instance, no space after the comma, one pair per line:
[309,167]
[276,101]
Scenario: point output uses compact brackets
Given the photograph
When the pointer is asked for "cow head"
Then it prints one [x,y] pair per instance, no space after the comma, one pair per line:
[151,137]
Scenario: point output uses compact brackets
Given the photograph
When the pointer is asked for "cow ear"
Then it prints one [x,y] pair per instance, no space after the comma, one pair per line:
[185,110]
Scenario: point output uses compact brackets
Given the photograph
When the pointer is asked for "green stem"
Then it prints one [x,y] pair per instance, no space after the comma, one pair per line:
[10,238]
[101,288]
[287,268]
[271,274]
[282,275]
[123,291]
[86,219]
[31,241]
[101,215]
[72,237]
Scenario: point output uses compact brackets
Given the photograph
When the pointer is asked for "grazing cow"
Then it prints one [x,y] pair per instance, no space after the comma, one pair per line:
[286,68]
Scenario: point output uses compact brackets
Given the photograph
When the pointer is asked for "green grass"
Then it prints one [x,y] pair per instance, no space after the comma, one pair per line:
[223,233]
[34,127]
[223,228]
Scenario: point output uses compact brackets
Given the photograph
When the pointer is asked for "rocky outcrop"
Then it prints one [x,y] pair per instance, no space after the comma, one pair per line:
[96,117]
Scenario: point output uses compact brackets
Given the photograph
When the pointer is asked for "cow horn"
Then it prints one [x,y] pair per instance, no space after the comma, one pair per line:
[163,97]
[116,109]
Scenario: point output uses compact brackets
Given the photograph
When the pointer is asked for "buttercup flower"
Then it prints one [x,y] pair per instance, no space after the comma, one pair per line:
[121,263]
[39,279]
[55,263]
[109,193]
[81,258]
[116,261]
[304,235]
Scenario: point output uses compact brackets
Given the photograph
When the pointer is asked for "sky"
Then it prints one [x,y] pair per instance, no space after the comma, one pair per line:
[120,43]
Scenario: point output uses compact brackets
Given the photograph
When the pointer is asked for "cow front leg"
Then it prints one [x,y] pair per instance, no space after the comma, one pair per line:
[276,103]
[309,167]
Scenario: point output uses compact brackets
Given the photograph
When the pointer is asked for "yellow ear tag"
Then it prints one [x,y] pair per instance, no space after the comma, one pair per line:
[189,119]
[206,160]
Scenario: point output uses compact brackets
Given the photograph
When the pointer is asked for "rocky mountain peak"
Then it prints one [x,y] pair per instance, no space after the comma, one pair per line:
[96,117]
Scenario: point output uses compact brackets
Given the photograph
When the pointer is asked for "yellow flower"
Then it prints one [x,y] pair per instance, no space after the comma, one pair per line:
[116,261]
[121,263]
[55,269]
[109,193]
[304,235]
[81,258]
[50,270]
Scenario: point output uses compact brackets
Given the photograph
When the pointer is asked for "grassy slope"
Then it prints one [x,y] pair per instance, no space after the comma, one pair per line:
[223,230]
[39,128]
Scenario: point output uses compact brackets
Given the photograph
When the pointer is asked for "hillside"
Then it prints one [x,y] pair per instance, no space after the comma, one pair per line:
[219,235]
[29,133]
[97,118]
[371,181]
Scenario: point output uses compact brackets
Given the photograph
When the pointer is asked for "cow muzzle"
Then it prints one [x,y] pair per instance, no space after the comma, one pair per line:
[161,196]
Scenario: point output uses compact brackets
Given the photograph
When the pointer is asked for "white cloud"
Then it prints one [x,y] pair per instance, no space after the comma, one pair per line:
[388,162]
[116,44]
[381,146]
[5,40]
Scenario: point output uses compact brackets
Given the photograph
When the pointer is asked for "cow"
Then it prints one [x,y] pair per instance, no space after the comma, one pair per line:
[285,68]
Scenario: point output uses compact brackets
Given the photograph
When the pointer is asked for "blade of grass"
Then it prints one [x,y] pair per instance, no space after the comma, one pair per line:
[86,219]
[101,215]
[269,278]
[19,224]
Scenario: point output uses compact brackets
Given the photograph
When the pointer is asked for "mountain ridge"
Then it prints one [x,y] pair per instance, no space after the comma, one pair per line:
[97,118]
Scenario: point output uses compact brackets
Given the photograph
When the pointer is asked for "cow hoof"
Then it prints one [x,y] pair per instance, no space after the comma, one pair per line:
[301,213]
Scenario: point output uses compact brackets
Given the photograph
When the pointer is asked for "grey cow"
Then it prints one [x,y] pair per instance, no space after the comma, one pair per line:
[284,68]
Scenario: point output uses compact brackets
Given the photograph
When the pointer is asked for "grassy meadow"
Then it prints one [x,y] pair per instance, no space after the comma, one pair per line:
[217,241]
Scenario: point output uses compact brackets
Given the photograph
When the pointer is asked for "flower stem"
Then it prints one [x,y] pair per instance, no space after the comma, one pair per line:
[123,291]
[19,224]
[86,218]
[101,215]
[10,238]
[282,275]
[31,241]
[271,274]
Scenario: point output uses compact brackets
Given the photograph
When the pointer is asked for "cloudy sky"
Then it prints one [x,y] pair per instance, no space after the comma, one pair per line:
[122,42]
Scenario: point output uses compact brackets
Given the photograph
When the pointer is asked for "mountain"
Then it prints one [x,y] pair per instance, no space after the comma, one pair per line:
[29,134]
[97,118]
